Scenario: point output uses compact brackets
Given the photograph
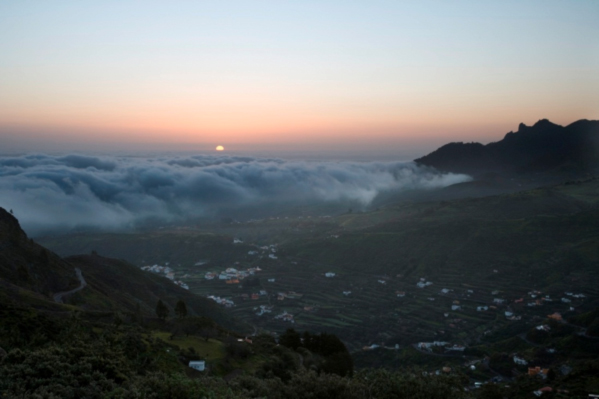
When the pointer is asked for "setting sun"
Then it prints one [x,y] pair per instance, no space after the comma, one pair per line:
[220,148]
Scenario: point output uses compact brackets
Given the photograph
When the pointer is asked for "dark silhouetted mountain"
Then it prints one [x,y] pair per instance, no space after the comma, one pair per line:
[30,275]
[543,147]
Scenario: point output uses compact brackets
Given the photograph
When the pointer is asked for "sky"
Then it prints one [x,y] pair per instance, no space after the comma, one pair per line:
[399,77]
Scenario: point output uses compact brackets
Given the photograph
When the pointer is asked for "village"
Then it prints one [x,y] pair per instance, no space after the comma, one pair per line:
[274,292]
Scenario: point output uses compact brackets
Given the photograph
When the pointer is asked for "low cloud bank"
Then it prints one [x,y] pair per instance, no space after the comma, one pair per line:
[51,193]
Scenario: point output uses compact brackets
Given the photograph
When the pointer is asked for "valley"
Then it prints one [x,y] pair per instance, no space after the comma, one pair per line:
[474,273]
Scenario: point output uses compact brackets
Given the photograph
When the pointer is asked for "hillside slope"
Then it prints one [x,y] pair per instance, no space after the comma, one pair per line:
[117,285]
[30,275]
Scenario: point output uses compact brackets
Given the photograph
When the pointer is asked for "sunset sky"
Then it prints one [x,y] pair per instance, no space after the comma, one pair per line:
[288,75]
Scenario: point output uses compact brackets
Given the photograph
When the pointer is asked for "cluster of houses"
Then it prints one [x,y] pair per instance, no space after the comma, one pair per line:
[254,295]
[271,248]
[222,301]
[285,317]
[428,346]
[423,283]
[263,309]
[181,284]
[168,273]
[232,275]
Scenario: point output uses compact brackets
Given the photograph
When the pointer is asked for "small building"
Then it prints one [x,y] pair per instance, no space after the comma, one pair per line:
[532,371]
[199,365]
[543,390]
[520,361]
[555,316]
[329,274]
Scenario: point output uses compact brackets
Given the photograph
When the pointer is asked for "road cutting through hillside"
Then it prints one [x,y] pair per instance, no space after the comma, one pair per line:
[58,297]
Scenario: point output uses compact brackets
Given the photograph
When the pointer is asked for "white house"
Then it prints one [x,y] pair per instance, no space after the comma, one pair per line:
[456,307]
[498,301]
[199,365]
[329,274]
[444,291]
[520,361]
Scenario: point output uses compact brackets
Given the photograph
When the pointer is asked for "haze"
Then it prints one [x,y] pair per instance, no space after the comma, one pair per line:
[277,76]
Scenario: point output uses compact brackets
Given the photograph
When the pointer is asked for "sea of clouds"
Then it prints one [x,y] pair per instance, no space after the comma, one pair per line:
[52,193]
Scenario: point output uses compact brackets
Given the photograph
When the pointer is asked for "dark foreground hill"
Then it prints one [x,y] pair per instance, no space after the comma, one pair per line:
[542,148]
[32,275]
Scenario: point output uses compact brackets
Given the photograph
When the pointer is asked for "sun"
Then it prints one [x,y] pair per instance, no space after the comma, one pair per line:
[220,148]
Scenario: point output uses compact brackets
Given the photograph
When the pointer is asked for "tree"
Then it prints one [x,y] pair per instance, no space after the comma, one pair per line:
[161,310]
[137,315]
[290,339]
[181,309]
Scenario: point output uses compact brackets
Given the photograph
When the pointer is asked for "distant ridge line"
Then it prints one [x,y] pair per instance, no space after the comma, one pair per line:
[544,147]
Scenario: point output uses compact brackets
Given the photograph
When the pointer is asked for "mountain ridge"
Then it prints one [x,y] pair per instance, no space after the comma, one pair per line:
[544,147]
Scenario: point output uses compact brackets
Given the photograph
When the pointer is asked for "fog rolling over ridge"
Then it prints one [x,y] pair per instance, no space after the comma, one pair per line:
[60,193]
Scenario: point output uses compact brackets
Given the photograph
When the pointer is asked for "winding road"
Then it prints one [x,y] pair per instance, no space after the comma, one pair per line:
[58,296]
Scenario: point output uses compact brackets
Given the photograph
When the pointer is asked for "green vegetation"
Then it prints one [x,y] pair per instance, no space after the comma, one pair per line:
[161,310]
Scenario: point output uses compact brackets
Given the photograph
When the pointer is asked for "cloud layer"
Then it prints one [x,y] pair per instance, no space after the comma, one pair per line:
[78,191]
